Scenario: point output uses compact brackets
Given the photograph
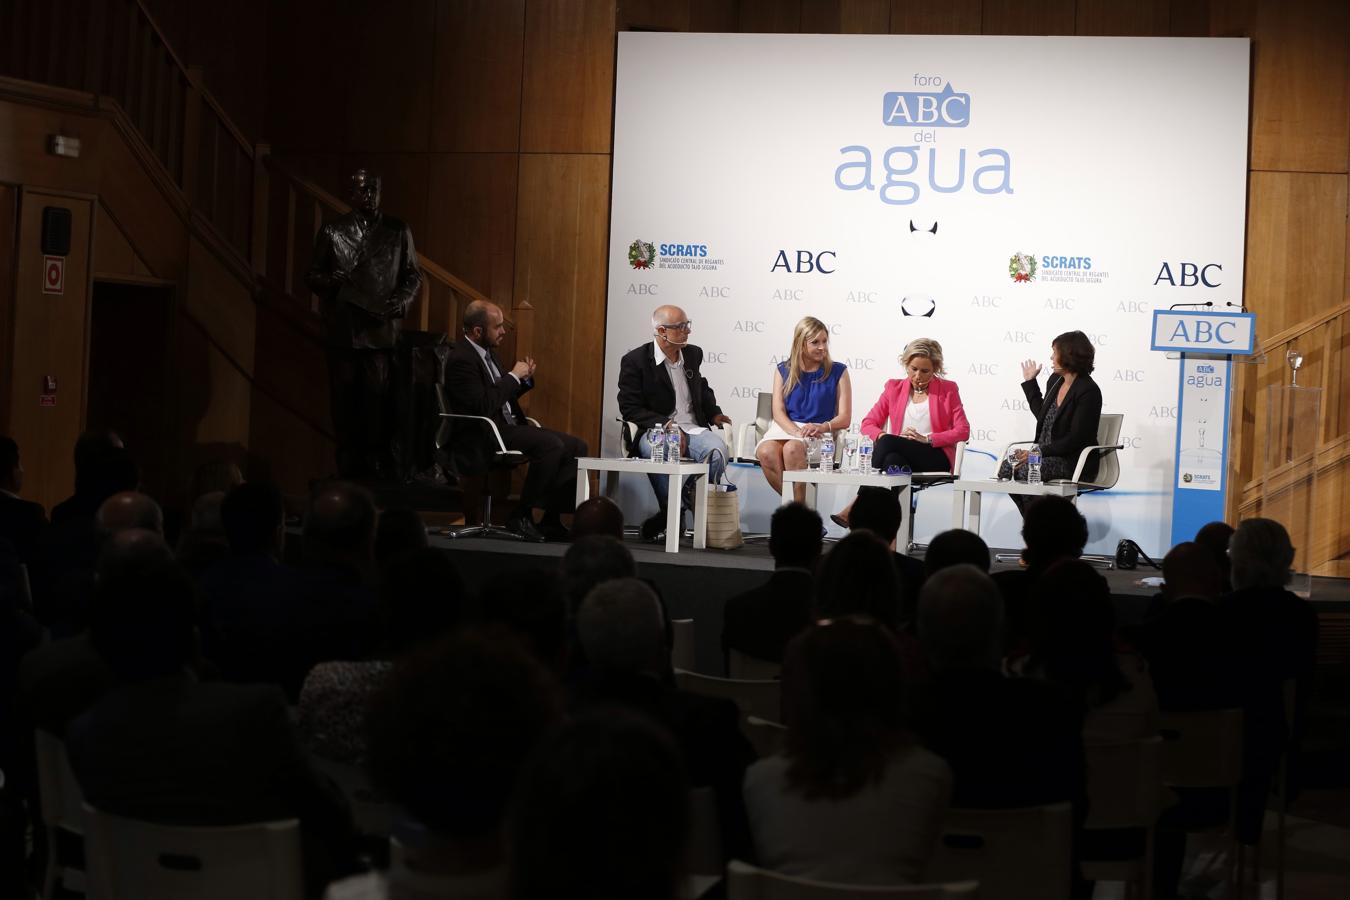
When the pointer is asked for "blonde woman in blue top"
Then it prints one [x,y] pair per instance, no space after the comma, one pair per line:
[811,396]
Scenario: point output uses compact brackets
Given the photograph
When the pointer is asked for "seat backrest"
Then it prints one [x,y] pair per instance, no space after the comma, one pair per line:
[960,458]
[59,793]
[1124,783]
[747,668]
[682,644]
[764,411]
[1017,854]
[1202,748]
[1108,461]
[765,736]
[746,882]
[761,698]
[133,860]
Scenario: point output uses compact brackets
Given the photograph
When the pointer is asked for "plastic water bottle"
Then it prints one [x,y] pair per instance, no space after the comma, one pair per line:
[656,437]
[865,455]
[673,443]
[827,451]
[850,464]
[1034,464]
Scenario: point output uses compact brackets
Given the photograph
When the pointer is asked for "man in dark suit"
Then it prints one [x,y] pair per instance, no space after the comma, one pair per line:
[163,746]
[21,521]
[365,272]
[760,622]
[477,385]
[659,384]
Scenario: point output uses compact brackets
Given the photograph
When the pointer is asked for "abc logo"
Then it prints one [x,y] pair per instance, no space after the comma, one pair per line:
[715,359]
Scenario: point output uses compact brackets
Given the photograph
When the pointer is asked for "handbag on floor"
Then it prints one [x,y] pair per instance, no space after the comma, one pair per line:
[724,517]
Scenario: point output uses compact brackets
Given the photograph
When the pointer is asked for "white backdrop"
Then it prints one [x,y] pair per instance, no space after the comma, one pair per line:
[1074,183]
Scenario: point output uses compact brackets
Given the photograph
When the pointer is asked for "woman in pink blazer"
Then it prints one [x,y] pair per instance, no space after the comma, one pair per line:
[919,419]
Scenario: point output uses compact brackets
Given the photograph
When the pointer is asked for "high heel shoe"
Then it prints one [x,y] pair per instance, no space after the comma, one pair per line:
[839,520]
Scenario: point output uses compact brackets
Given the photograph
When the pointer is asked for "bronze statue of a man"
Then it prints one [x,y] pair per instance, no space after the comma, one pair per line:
[365,273]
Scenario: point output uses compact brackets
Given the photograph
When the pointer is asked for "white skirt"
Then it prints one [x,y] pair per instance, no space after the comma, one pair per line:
[777,433]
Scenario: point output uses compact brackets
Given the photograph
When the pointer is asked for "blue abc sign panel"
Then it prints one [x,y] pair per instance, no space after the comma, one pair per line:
[1191,331]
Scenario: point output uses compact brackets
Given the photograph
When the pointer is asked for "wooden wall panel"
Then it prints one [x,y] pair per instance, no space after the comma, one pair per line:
[954,17]
[561,229]
[224,417]
[1296,240]
[24,158]
[147,219]
[9,230]
[113,253]
[391,78]
[50,338]
[476,88]
[472,222]
[568,96]
[229,42]
[1140,18]
[1188,18]
[287,450]
[310,48]
[846,16]
[713,15]
[1028,17]
[770,16]
[222,305]
[652,15]
[1301,81]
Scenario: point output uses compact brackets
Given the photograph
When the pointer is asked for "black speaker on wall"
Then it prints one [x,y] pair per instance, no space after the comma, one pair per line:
[55,231]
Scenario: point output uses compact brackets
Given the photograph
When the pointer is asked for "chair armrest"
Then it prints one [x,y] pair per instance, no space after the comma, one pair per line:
[1083,457]
[496,434]
[748,434]
[1012,445]
[534,422]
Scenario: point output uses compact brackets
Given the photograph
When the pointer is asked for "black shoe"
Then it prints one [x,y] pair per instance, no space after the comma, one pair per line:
[654,526]
[526,528]
[555,532]
[839,520]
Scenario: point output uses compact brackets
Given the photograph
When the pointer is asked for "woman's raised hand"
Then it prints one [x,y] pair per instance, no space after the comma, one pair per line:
[1030,369]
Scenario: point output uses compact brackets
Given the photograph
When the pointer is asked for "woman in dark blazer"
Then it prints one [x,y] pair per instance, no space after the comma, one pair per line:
[1067,416]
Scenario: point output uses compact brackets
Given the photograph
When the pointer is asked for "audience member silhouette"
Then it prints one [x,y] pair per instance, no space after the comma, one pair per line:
[203,543]
[21,521]
[598,515]
[954,547]
[590,561]
[624,634]
[1275,637]
[102,468]
[165,747]
[1009,741]
[880,514]
[450,732]
[400,530]
[530,604]
[421,598]
[852,798]
[1052,529]
[1073,644]
[761,621]
[602,814]
[1188,640]
[858,576]
[1214,538]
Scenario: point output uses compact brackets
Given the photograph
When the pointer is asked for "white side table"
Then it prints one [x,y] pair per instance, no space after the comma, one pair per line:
[813,478]
[677,472]
[975,487]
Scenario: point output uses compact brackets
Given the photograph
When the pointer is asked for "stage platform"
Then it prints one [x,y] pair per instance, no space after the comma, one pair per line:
[696,583]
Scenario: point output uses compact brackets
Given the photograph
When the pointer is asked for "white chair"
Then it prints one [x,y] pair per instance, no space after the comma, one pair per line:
[1124,789]
[1014,854]
[502,459]
[133,860]
[753,698]
[746,882]
[1108,462]
[766,737]
[747,668]
[62,807]
[749,434]
[682,655]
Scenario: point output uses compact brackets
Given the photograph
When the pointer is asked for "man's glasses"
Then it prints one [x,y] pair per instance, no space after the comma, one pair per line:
[679,326]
